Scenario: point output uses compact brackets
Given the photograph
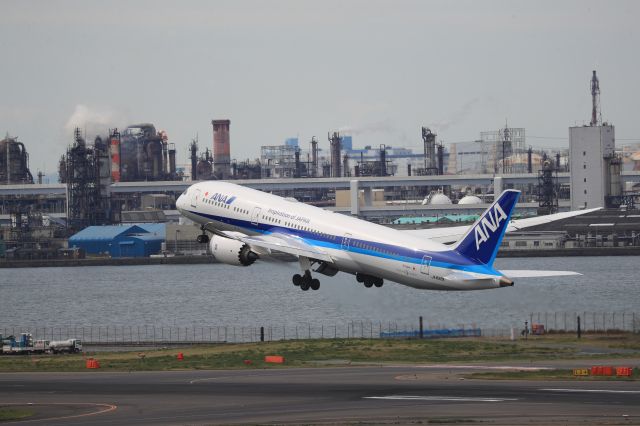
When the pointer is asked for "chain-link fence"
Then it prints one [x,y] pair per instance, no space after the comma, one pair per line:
[164,335]
[158,335]
[597,322]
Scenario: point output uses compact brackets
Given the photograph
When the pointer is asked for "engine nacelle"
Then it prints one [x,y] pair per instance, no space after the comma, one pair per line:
[231,252]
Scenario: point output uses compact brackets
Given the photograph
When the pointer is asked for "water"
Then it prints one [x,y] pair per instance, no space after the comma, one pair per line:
[262,294]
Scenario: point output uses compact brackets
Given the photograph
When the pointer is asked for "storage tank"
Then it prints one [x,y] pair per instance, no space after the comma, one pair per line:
[437,198]
[470,199]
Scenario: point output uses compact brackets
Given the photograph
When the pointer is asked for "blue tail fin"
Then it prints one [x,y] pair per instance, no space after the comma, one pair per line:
[482,240]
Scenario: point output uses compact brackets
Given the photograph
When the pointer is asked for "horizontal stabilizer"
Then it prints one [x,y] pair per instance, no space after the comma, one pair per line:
[524,273]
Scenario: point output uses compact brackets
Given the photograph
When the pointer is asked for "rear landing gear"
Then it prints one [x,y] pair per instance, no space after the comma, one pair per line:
[369,281]
[306,282]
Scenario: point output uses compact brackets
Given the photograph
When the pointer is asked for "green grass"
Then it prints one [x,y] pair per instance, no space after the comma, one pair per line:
[14,413]
[325,352]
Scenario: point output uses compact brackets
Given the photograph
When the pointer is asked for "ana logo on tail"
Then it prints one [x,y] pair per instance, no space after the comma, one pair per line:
[488,225]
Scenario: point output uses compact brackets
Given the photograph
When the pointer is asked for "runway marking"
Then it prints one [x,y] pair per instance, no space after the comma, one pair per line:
[203,380]
[475,367]
[591,390]
[439,398]
[107,408]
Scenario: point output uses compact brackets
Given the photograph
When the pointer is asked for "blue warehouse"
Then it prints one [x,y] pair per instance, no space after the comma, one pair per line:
[135,240]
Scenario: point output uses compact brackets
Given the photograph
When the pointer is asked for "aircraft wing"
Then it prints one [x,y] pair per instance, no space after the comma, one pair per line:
[451,234]
[287,244]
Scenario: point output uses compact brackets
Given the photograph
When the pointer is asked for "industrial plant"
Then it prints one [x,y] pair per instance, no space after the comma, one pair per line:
[133,175]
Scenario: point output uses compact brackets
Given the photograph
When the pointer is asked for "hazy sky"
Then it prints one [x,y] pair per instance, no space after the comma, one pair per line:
[278,69]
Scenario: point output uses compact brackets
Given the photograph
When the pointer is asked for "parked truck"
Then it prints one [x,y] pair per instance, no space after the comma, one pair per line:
[21,345]
[26,345]
[69,345]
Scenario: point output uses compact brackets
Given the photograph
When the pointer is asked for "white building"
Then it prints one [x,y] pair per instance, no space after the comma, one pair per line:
[591,150]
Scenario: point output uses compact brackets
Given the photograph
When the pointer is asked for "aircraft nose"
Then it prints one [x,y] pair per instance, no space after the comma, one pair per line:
[180,202]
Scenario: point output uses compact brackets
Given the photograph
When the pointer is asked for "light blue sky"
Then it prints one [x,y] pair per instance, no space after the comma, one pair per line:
[278,69]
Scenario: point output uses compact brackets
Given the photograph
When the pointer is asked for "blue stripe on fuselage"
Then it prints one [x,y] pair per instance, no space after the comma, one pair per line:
[442,259]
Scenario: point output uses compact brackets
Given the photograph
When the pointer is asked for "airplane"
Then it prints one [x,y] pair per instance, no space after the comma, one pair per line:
[246,225]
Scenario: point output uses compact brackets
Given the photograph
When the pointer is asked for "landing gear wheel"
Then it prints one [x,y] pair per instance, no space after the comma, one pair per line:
[315,284]
[378,283]
[297,280]
[304,286]
[202,238]
[368,284]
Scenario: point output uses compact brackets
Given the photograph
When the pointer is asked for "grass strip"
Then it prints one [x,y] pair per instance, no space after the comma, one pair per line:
[13,413]
[319,352]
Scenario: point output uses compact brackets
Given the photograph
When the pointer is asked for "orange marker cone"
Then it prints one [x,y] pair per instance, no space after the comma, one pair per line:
[92,363]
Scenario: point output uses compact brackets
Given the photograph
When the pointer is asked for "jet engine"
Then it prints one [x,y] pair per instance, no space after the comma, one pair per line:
[231,252]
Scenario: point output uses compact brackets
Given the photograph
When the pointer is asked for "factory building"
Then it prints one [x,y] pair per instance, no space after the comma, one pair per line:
[592,154]
[141,154]
[594,167]
[496,151]
[14,162]
[141,240]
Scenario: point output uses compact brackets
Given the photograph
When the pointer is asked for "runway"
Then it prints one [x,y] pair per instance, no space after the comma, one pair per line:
[389,394]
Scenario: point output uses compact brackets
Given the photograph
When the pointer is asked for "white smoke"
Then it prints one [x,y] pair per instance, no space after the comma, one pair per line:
[383,126]
[94,121]
[456,117]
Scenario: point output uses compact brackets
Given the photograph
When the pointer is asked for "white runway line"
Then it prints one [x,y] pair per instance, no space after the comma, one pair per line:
[439,398]
[591,390]
[473,367]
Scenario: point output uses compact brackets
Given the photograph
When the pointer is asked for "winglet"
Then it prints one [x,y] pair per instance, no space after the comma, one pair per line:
[482,241]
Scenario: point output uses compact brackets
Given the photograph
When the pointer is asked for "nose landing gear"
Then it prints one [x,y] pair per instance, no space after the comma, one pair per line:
[203,238]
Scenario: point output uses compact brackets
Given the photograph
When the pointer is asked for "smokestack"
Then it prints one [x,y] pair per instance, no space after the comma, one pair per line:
[165,159]
[336,146]
[115,155]
[383,161]
[221,148]
[194,160]
[314,157]
[530,160]
[297,162]
[172,160]
[440,159]
[596,116]
[345,164]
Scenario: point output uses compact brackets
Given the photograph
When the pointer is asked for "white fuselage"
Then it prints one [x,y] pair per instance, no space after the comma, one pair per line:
[354,245]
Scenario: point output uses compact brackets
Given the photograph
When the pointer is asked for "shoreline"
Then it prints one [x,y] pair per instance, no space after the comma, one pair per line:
[203,259]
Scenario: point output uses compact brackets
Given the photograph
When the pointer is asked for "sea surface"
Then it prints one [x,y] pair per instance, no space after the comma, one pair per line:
[262,294]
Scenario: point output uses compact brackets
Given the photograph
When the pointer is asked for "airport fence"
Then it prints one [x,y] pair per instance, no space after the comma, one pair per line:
[195,334]
[158,335]
[590,322]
